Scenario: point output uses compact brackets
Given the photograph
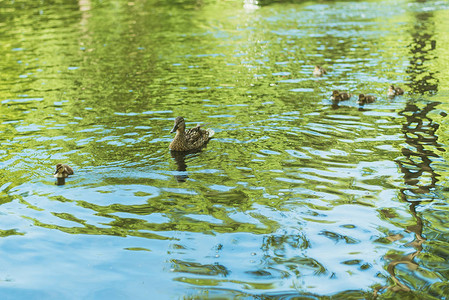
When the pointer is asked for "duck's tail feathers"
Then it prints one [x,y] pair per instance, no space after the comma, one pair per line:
[211,132]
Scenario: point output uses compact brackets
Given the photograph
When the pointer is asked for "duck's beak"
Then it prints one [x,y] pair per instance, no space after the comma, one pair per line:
[56,172]
[174,128]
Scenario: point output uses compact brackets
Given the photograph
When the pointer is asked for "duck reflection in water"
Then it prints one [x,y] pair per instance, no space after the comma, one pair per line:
[180,160]
[60,181]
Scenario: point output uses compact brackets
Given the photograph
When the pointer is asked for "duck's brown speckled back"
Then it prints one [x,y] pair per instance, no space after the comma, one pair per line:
[193,138]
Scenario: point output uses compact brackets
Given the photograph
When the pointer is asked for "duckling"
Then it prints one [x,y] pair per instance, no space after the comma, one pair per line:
[364,99]
[394,91]
[319,71]
[63,171]
[337,96]
[193,138]
[391,92]
[398,90]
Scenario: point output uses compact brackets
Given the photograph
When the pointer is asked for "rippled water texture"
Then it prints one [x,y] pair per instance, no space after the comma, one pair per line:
[295,197]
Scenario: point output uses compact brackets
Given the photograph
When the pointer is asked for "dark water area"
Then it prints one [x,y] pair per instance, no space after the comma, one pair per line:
[295,197]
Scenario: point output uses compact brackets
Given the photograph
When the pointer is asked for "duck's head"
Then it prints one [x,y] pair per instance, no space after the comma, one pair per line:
[361,100]
[335,93]
[179,124]
[59,169]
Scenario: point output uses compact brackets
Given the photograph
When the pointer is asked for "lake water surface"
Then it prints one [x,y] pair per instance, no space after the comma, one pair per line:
[294,198]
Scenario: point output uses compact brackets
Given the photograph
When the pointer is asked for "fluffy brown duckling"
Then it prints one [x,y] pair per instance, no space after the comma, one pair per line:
[364,99]
[337,96]
[191,139]
[319,71]
[63,171]
[394,91]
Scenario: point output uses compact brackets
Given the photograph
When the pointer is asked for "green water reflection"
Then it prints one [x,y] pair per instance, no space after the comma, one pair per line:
[294,197]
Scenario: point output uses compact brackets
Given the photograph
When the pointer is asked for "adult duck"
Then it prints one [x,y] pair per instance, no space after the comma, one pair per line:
[191,139]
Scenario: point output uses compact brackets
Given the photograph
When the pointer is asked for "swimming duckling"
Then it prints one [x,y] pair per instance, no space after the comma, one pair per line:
[63,171]
[319,71]
[391,92]
[394,91]
[398,90]
[193,138]
[364,99]
[337,96]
